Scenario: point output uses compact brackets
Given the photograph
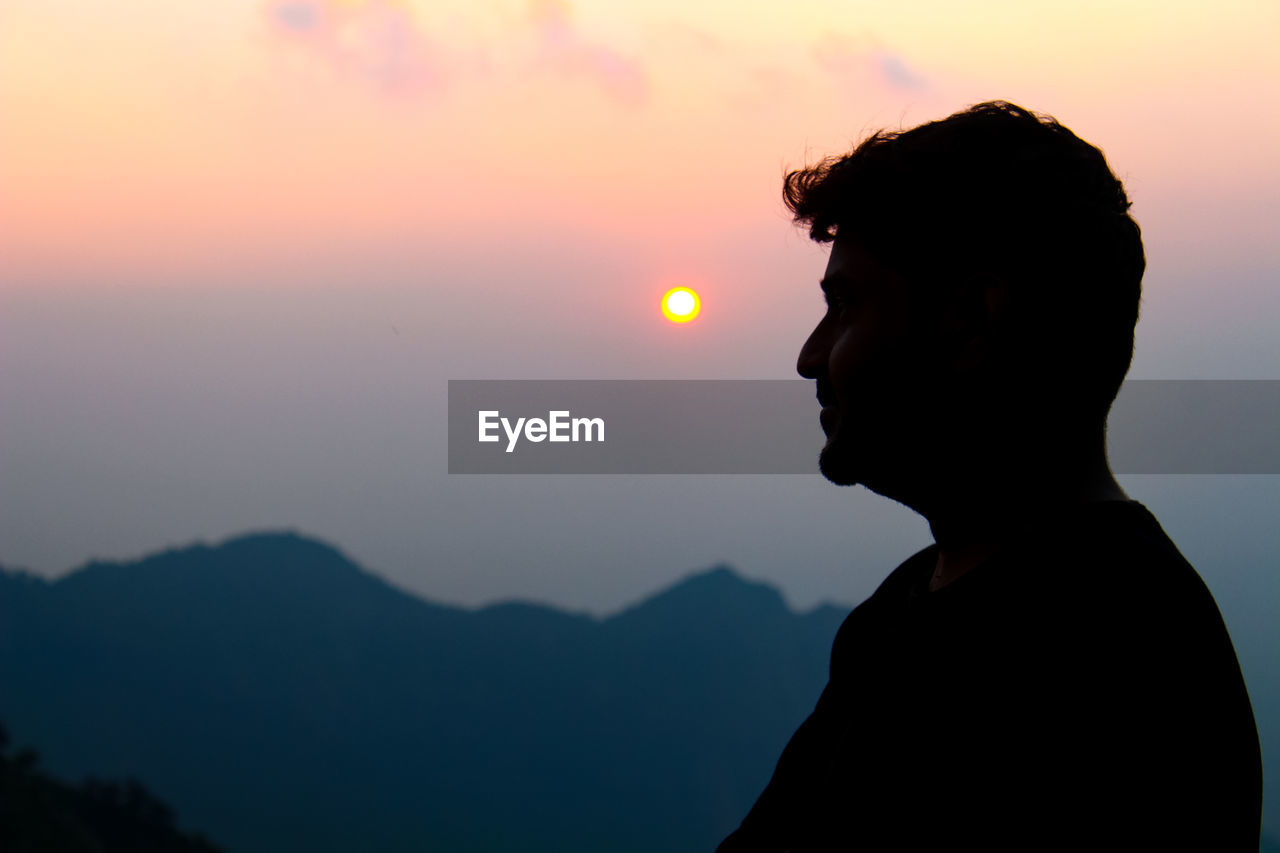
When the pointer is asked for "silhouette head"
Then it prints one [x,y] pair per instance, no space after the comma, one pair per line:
[982,291]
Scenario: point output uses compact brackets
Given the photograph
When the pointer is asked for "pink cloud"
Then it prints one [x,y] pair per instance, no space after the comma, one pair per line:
[563,48]
[379,42]
[858,63]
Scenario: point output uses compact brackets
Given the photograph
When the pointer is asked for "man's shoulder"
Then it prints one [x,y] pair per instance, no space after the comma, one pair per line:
[1087,562]
[1123,555]
[888,601]
[1110,566]
[1110,598]
[901,583]
[898,584]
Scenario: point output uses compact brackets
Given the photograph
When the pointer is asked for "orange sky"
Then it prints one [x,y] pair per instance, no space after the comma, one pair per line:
[148,139]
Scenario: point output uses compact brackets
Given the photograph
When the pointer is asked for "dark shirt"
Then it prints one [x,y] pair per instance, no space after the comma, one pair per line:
[1077,690]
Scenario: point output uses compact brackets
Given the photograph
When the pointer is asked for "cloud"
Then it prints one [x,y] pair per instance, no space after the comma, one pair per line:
[381,43]
[858,63]
[302,16]
[377,41]
[894,71]
[563,48]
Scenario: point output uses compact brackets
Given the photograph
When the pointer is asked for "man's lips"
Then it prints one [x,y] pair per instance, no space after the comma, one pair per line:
[826,399]
[827,416]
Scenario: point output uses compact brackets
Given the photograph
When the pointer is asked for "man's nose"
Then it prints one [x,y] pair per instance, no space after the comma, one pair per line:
[813,356]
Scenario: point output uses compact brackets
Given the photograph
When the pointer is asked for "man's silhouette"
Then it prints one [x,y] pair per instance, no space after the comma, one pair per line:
[1051,673]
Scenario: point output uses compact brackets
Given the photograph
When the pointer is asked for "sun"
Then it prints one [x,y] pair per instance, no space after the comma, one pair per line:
[680,305]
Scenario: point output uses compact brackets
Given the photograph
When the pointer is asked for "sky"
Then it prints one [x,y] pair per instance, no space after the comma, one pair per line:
[245,244]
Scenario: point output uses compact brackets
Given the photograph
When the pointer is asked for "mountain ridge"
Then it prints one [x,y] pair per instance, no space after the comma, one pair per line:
[266,542]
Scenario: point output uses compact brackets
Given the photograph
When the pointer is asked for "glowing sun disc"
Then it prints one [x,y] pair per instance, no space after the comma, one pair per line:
[680,305]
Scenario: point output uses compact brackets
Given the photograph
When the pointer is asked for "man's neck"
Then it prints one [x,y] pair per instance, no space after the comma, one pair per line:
[971,525]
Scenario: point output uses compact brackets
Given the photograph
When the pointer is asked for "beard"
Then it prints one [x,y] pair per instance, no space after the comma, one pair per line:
[838,465]
[882,453]
[844,459]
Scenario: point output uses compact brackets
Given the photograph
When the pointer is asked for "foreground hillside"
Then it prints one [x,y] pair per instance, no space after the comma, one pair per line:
[39,813]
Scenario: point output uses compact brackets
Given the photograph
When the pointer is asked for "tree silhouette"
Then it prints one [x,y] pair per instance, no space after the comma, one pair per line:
[38,813]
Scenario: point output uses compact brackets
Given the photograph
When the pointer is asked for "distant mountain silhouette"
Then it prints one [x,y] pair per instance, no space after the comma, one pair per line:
[283,698]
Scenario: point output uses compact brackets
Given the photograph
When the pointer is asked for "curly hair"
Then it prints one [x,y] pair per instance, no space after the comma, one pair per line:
[1001,189]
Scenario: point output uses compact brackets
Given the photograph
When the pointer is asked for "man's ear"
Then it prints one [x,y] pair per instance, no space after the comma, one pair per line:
[973,319]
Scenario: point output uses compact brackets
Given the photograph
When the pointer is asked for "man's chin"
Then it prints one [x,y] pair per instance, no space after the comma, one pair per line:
[837,466]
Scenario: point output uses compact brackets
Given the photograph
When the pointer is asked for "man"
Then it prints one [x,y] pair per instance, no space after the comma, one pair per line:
[1051,673]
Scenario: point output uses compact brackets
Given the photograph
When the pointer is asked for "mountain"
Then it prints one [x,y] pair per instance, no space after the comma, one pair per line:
[283,698]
